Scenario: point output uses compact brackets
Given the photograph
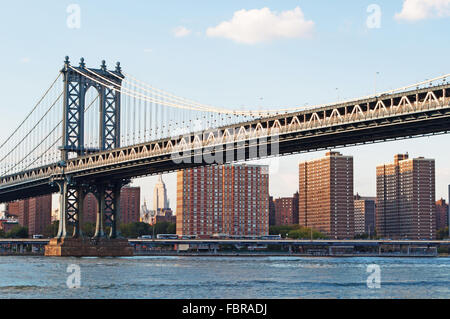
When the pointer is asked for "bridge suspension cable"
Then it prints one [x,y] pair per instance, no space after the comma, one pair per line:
[138,95]
[202,107]
[167,121]
[282,110]
[40,156]
[150,89]
[31,112]
[33,128]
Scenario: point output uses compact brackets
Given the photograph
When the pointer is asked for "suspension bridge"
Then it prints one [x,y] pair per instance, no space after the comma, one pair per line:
[95,129]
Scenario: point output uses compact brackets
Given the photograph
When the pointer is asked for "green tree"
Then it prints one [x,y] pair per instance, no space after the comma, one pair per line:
[161,228]
[282,229]
[88,229]
[51,230]
[306,233]
[361,236]
[172,228]
[442,233]
[134,230]
[18,232]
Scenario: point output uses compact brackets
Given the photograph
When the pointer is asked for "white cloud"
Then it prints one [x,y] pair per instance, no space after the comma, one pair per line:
[414,10]
[263,25]
[148,50]
[181,31]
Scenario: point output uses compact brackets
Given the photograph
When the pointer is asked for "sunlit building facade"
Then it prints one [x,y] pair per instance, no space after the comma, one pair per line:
[326,195]
[364,215]
[224,199]
[406,199]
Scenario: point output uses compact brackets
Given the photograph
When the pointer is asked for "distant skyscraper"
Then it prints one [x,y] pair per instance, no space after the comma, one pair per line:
[145,213]
[364,215]
[326,195]
[225,199]
[55,215]
[160,195]
[406,198]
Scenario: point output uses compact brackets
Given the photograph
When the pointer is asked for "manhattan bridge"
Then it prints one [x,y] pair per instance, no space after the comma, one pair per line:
[94,129]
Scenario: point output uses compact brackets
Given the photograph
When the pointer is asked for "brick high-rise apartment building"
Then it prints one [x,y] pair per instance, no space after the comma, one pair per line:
[90,207]
[130,198]
[326,195]
[441,214]
[39,214]
[286,210]
[272,220]
[224,199]
[34,213]
[406,198]
[364,215]
[130,205]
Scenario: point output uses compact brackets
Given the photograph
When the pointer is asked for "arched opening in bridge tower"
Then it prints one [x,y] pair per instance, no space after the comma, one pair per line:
[92,120]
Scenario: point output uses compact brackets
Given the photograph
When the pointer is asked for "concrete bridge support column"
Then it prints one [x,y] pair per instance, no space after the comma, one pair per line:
[62,230]
[115,214]
[78,217]
[99,226]
[70,208]
[108,197]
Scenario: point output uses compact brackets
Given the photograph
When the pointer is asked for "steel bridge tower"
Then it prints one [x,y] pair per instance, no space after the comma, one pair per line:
[77,81]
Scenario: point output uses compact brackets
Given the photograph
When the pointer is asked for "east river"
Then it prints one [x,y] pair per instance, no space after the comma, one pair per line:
[224,277]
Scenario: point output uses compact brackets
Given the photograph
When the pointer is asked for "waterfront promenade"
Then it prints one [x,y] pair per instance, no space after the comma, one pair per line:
[256,248]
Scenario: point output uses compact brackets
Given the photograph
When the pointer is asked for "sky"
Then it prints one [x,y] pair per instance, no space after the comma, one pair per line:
[232,53]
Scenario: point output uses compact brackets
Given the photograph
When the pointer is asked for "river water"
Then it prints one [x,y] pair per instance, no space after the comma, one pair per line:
[222,277]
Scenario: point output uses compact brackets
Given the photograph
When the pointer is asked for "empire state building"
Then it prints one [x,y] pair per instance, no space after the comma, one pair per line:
[160,196]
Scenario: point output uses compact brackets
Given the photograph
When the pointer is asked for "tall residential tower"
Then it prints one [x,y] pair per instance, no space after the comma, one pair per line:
[406,198]
[224,199]
[326,195]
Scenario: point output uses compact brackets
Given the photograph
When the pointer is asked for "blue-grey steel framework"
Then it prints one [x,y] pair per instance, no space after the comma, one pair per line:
[73,193]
